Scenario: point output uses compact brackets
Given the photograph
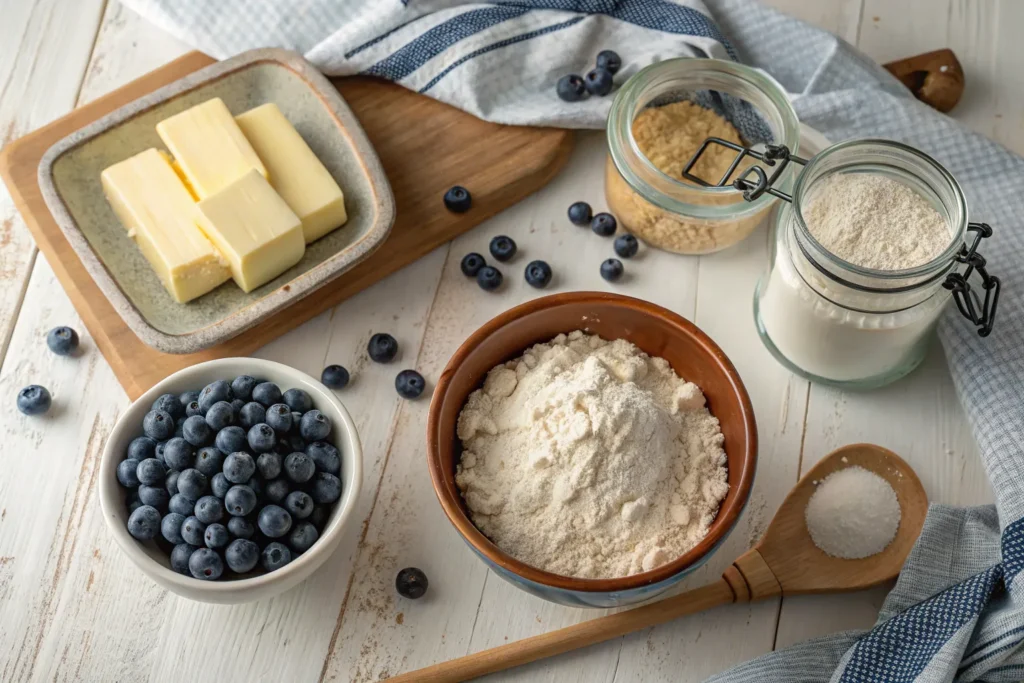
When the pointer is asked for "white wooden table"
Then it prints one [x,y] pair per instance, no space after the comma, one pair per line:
[72,608]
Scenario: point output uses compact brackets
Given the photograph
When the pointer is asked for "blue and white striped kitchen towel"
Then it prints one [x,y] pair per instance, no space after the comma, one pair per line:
[957,611]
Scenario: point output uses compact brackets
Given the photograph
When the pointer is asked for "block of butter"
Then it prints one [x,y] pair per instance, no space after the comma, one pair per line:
[163,219]
[254,229]
[209,149]
[294,170]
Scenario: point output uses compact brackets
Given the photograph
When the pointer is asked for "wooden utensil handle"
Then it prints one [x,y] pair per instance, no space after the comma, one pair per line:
[936,78]
[573,637]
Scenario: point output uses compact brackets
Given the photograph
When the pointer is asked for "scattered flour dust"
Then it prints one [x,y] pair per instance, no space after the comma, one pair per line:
[853,513]
[591,459]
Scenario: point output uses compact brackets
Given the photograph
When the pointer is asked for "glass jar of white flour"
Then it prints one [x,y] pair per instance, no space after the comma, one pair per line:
[864,320]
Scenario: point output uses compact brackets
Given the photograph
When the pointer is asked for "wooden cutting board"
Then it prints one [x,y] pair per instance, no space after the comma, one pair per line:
[424,145]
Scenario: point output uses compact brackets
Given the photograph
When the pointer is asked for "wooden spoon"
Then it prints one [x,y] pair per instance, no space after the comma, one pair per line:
[785,562]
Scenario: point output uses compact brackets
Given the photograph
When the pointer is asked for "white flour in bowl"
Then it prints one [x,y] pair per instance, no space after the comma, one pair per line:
[591,459]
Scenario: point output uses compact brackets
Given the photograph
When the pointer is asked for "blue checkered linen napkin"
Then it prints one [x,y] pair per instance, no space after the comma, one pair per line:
[957,611]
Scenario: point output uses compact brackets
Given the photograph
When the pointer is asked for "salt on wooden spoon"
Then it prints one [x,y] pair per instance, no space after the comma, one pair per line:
[785,562]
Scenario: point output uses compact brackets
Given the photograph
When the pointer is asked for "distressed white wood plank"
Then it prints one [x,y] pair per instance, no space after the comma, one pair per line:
[1004,77]
[44,48]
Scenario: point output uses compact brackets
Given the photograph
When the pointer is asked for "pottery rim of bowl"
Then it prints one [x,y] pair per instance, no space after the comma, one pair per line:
[731,507]
[256,587]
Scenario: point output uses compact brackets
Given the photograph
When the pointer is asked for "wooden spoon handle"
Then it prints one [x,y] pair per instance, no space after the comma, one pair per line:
[573,637]
[936,78]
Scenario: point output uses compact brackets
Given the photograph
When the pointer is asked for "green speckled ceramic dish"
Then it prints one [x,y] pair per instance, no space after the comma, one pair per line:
[69,177]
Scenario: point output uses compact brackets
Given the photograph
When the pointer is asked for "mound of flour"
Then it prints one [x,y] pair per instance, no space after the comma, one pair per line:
[589,458]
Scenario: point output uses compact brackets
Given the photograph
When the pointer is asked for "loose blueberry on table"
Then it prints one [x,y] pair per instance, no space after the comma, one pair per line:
[34,400]
[609,60]
[538,274]
[201,496]
[382,348]
[472,263]
[598,81]
[411,583]
[489,278]
[409,384]
[604,224]
[571,88]
[503,248]
[580,214]
[611,269]
[458,200]
[63,341]
[626,245]
[335,377]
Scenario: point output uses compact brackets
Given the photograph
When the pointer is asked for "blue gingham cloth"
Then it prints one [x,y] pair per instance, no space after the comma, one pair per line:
[957,611]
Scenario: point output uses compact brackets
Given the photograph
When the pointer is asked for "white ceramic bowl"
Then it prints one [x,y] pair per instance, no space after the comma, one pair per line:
[153,561]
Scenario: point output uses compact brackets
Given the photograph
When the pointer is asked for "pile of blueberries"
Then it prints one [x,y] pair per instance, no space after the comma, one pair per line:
[503,248]
[597,81]
[231,477]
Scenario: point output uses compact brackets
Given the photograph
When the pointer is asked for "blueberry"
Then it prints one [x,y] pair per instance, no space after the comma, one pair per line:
[231,439]
[261,438]
[457,199]
[609,60]
[181,505]
[409,384]
[179,427]
[179,557]
[209,509]
[580,214]
[295,441]
[315,426]
[325,456]
[611,269]
[334,376]
[239,467]
[179,454]
[240,500]
[170,404]
[134,504]
[242,386]
[275,556]
[274,521]
[382,348]
[257,485]
[472,263]
[626,245]
[279,417]
[192,484]
[157,425]
[411,583]
[276,491]
[489,278]
[151,471]
[299,467]
[219,485]
[62,341]
[236,406]
[503,248]
[266,393]
[205,564]
[170,527]
[192,409]
[298,400]
[197,432]
[209,461]
[126,473]
[154,496]
[282,447]
[604,224]
[241,555]
[141,448]
[187,397]
[171,482]
[298,504]
[571,88]
[598,81]
[144,523]
[216,536]
[213,392]
[192,531]
[158,452]
[269,465]
[302,537]
[251,414]
[319,516]
[326,488]
[240,527]
[220,415]
[538,274]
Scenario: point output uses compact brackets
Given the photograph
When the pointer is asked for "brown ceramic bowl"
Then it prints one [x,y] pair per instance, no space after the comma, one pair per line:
[655,330]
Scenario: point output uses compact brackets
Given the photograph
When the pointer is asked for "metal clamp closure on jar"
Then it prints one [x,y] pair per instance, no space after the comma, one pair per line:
[755,181]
